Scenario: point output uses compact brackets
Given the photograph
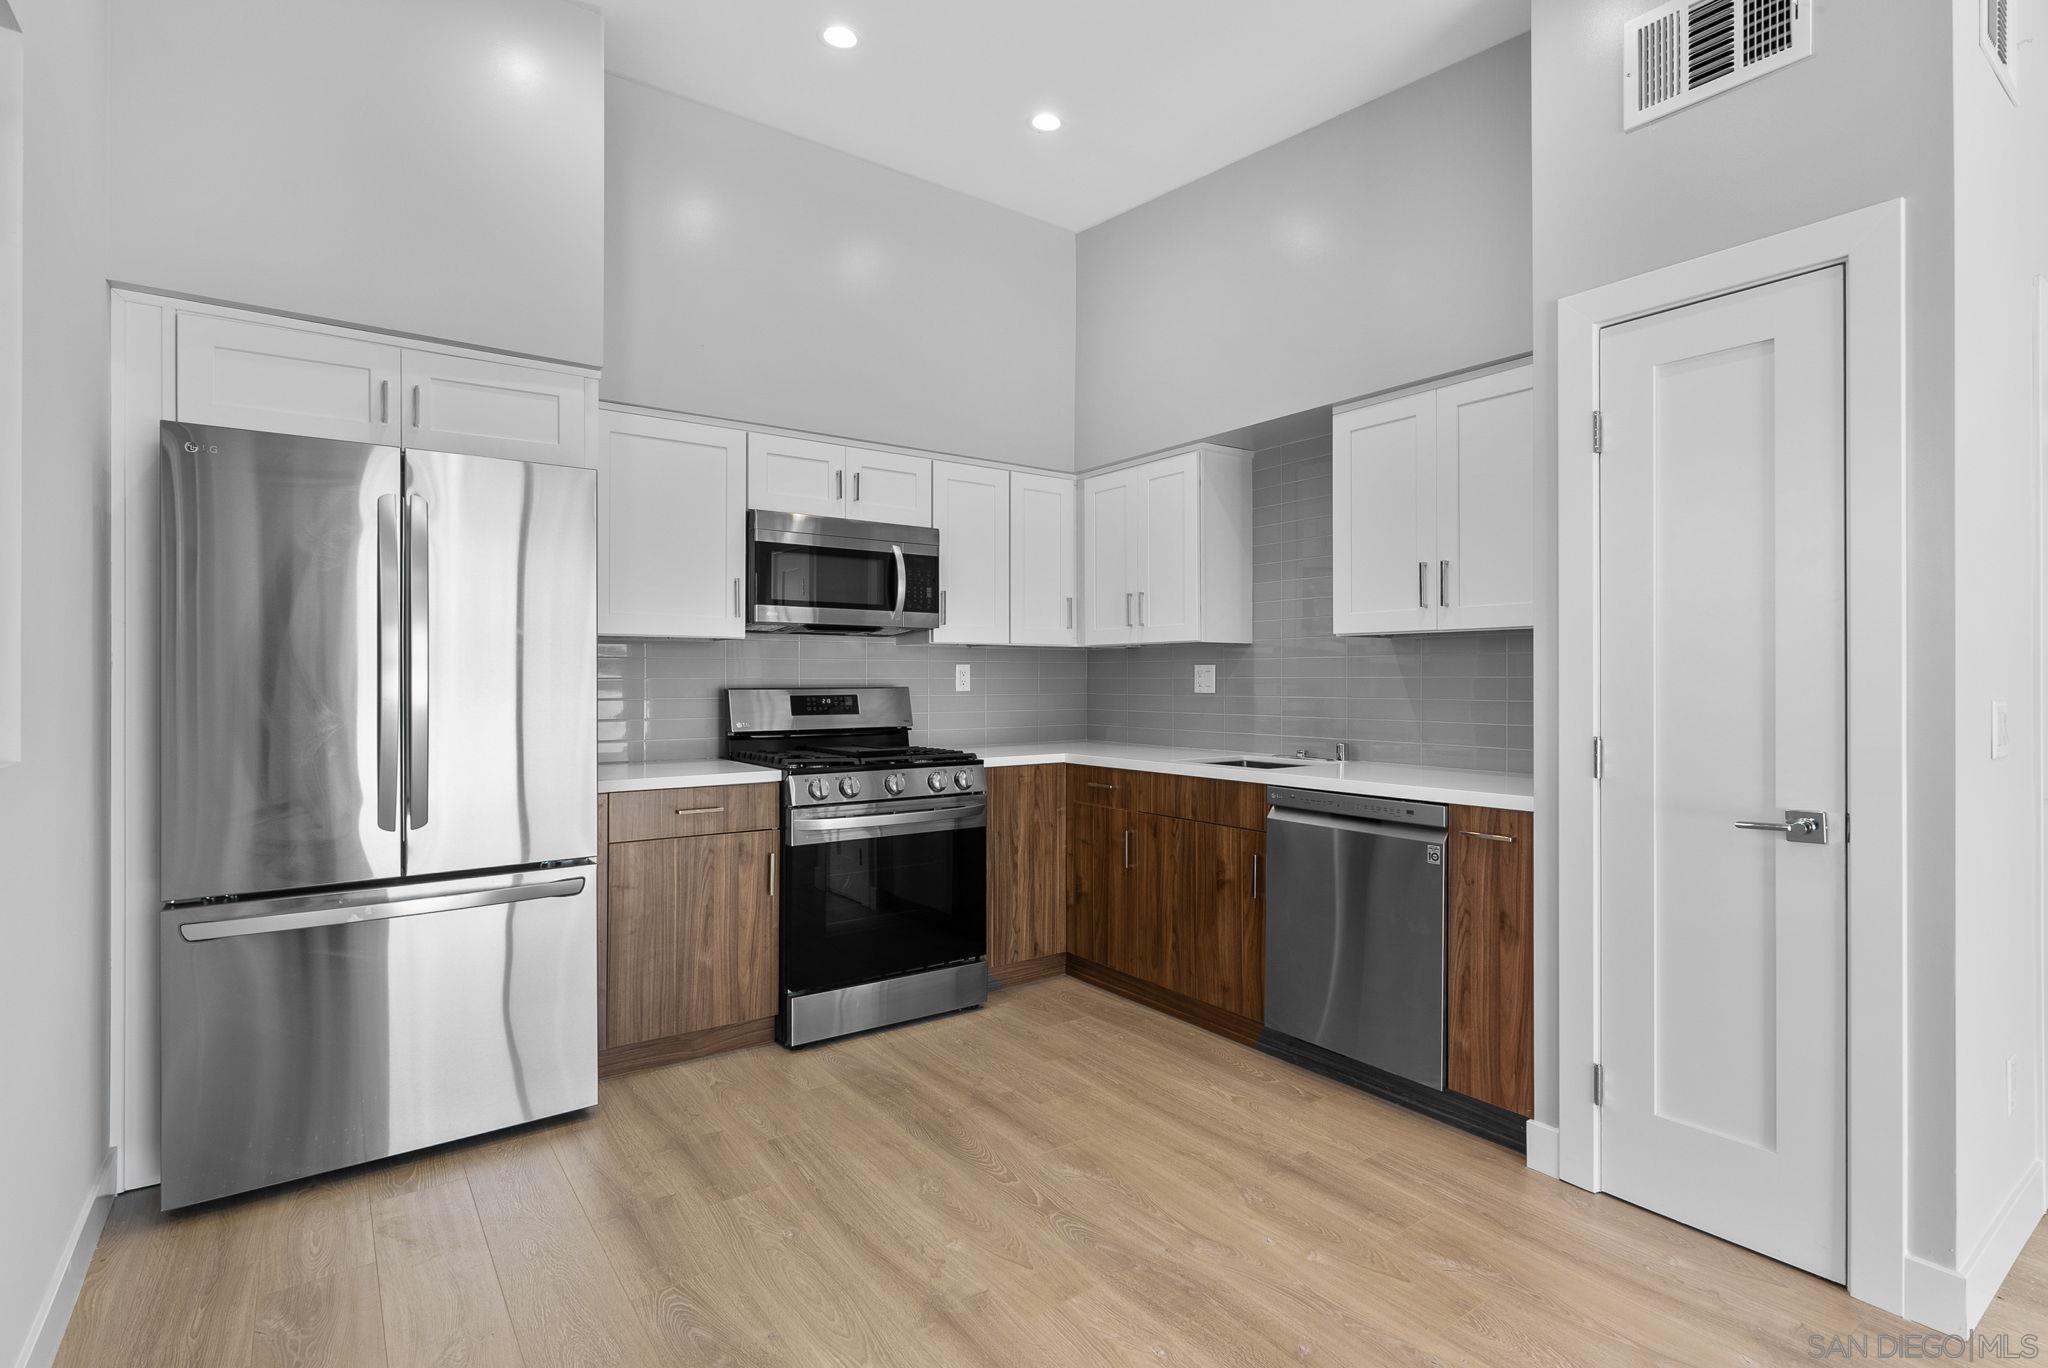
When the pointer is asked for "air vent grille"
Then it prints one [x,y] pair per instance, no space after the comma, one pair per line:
[1685,51]
[1998,40]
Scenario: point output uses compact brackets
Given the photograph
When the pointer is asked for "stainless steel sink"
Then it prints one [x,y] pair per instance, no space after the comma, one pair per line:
[1259,764]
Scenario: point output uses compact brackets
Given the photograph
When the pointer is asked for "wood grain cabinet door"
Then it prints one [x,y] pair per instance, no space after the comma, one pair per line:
[1095,877]
[1217,942]
[690,941]
[1027,880]
[1490,965]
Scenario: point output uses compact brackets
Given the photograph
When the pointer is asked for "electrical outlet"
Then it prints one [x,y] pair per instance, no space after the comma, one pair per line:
[1205,679]
[2001,729]
[963,678]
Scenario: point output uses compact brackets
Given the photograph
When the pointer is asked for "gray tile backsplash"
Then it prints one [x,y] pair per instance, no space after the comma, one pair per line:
[1459,700]
[1462,701]
[660,700]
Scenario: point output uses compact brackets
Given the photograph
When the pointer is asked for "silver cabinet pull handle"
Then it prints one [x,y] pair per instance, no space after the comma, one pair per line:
[390,652]
[1800,827]
[1093,784]
[856,486]
[419,608]
[1422,584]
[771,873]
[838,484]
[1141,607]
[1443,584]
[383,401]
[1128,621]
[942,607]
[1488,836]
[1127,849]
[696,812]
[739,605]
[1070,610]
[415,406]
[1255,876]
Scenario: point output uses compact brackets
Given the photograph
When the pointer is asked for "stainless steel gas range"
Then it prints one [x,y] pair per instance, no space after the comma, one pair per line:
[884,857]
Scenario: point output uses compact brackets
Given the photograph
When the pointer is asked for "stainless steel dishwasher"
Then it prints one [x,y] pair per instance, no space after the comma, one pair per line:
[1355,928]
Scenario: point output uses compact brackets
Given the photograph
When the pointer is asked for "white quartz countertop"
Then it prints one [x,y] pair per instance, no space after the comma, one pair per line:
[670,774]
[1474,788]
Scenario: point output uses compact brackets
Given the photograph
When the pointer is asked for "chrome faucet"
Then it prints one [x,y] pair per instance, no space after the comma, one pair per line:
[1343,753]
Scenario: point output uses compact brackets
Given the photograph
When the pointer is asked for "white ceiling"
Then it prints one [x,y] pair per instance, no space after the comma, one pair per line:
[1155,93]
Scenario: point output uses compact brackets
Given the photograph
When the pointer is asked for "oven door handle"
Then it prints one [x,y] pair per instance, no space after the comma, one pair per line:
[822,830]
[902,580]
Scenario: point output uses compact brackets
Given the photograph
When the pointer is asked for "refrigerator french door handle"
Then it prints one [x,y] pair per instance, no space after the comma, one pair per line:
[303,917]
[418,597]
[390,650]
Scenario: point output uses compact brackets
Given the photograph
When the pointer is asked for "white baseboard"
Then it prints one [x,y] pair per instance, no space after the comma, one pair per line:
[1953,1300]
[1542,1148]
[46,1331]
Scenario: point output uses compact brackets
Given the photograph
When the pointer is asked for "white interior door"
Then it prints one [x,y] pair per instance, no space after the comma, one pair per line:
[1723,700]
[1042,524]
[671,527]
[1485,502]
[971,509]
[1170,584]
[1383,551]
[1109,560]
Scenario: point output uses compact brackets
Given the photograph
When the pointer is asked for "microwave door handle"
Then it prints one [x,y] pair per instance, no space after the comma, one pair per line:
[902,579]
[418,597]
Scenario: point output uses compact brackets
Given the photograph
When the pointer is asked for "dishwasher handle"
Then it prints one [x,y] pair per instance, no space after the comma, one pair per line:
[1361,826]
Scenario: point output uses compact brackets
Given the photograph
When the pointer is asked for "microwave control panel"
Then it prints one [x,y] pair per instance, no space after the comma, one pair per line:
[921,589]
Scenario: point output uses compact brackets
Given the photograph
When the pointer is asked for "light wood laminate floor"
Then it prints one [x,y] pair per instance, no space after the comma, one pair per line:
[1062,1178]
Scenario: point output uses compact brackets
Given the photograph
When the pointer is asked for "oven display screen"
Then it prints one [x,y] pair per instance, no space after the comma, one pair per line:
[824,705]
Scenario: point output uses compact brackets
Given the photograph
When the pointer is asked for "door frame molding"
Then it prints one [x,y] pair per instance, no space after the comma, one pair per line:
[1870,244]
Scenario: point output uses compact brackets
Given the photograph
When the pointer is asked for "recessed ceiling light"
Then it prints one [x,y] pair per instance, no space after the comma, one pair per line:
[1046,122]
[840,36]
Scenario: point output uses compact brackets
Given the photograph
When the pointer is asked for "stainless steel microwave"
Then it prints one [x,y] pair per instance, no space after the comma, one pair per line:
[812,574]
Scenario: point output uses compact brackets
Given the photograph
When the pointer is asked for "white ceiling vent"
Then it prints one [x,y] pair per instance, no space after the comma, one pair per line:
[1690,50]
[1995,34]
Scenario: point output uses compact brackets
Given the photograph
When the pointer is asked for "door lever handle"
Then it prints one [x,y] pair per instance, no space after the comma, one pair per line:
[1801,827]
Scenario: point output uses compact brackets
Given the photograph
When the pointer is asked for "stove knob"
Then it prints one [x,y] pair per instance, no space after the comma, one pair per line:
[894,783]
[937,780]
[849,787]
[961,779]
[819,788]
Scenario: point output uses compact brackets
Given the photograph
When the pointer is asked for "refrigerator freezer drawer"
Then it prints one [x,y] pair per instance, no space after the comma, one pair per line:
[309,1033]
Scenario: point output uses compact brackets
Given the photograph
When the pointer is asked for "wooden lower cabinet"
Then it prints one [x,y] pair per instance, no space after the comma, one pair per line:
[1489,958]
[1095,846]
[1218,917]
[687,934]
[1027,873]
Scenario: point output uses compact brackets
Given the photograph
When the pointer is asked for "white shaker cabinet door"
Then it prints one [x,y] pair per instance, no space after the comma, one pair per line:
[883,487]
[796,475]
[1383,551]
[671,527]
[1169,606]
[271,377]
[1112,542]
[971,509]
[481,407]
[1043,607]
[1485,474]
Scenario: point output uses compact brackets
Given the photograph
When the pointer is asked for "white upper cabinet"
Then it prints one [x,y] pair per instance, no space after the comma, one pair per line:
[1485,474]
[1167,550]
[671,527]
[796,475]
[1432,527]
[970,506]
[886,488]
[1382,472]
[480,407]
[272,377]
[1043,610]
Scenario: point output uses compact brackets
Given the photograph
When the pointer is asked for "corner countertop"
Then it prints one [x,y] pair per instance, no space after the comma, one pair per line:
[668,774]
[1472,788]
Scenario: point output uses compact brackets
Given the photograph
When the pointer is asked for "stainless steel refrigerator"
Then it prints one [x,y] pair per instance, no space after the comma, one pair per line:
[378,806]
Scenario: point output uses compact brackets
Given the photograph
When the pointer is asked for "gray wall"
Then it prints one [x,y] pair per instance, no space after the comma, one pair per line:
[53,806]
[1460,700]
[431,167]
[659,700]
[1386,246]
[1868,118]
[757,277]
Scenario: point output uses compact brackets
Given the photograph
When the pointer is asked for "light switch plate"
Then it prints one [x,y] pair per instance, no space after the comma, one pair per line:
[2001,729]
[963,678]
[1205,679]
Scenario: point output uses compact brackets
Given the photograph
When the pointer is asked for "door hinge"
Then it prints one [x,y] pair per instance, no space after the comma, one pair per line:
[1599,757]
[1599,1085]
[1596,432]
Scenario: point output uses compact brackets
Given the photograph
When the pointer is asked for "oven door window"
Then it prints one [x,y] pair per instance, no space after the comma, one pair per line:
[858,911]
[824,577]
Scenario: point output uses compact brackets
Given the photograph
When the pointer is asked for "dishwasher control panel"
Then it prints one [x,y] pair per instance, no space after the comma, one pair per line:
[1360,805]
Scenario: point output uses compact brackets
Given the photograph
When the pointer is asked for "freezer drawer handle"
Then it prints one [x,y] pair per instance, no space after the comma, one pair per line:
[381,911]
